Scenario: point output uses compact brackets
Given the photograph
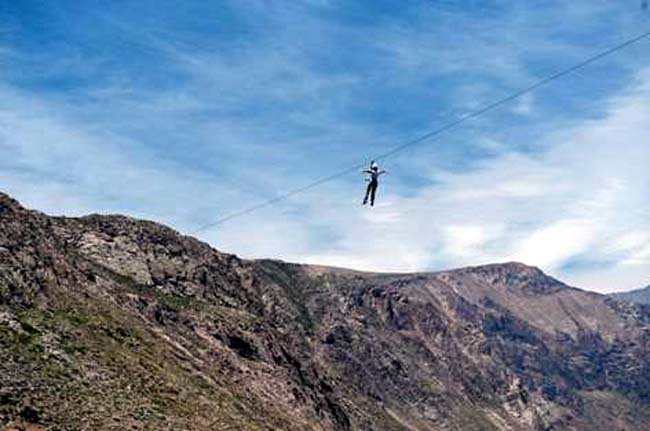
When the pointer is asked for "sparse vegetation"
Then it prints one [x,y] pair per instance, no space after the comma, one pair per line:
[188,338]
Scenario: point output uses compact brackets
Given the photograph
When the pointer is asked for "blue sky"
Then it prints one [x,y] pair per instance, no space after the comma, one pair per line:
[186,111]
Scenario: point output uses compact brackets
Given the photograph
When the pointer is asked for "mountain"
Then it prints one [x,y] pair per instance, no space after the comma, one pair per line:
[641,296]
[107,322]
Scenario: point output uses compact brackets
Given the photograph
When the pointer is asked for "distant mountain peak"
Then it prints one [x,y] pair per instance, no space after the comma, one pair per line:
[640,296]
[516,275]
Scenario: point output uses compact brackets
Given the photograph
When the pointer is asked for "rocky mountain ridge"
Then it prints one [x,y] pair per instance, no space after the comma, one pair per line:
[640,296]
[107,322]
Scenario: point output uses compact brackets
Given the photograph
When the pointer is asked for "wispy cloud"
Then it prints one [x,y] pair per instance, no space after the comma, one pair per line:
[185,114]
[585,197]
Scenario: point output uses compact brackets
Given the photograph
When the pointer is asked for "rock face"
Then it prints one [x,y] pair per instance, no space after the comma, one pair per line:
[111,323]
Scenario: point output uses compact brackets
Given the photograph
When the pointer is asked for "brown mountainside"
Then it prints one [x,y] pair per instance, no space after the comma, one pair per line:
[110,323]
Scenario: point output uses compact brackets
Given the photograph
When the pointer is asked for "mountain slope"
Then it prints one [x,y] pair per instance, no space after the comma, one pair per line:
[640,296]
[107,322]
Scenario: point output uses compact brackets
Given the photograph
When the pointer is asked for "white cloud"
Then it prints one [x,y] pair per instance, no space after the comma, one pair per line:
[584,198]
[55,164]
[464,240]
[552,245]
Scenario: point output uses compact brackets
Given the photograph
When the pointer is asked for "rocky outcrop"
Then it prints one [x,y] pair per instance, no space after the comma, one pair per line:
[107,322]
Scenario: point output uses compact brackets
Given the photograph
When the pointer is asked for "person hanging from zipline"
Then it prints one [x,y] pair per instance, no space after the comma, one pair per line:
[373,179]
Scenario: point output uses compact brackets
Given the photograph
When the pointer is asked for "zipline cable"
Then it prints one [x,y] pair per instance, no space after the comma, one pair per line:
[462,119]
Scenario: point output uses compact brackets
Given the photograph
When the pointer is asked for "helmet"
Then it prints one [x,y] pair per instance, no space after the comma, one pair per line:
[374,166]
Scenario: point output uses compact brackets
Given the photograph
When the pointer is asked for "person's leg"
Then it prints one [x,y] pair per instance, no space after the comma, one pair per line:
[368,189]
[374,185]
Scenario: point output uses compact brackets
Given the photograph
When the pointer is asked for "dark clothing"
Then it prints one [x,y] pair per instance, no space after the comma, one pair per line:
[371,191]
[372,186]
[374,174]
